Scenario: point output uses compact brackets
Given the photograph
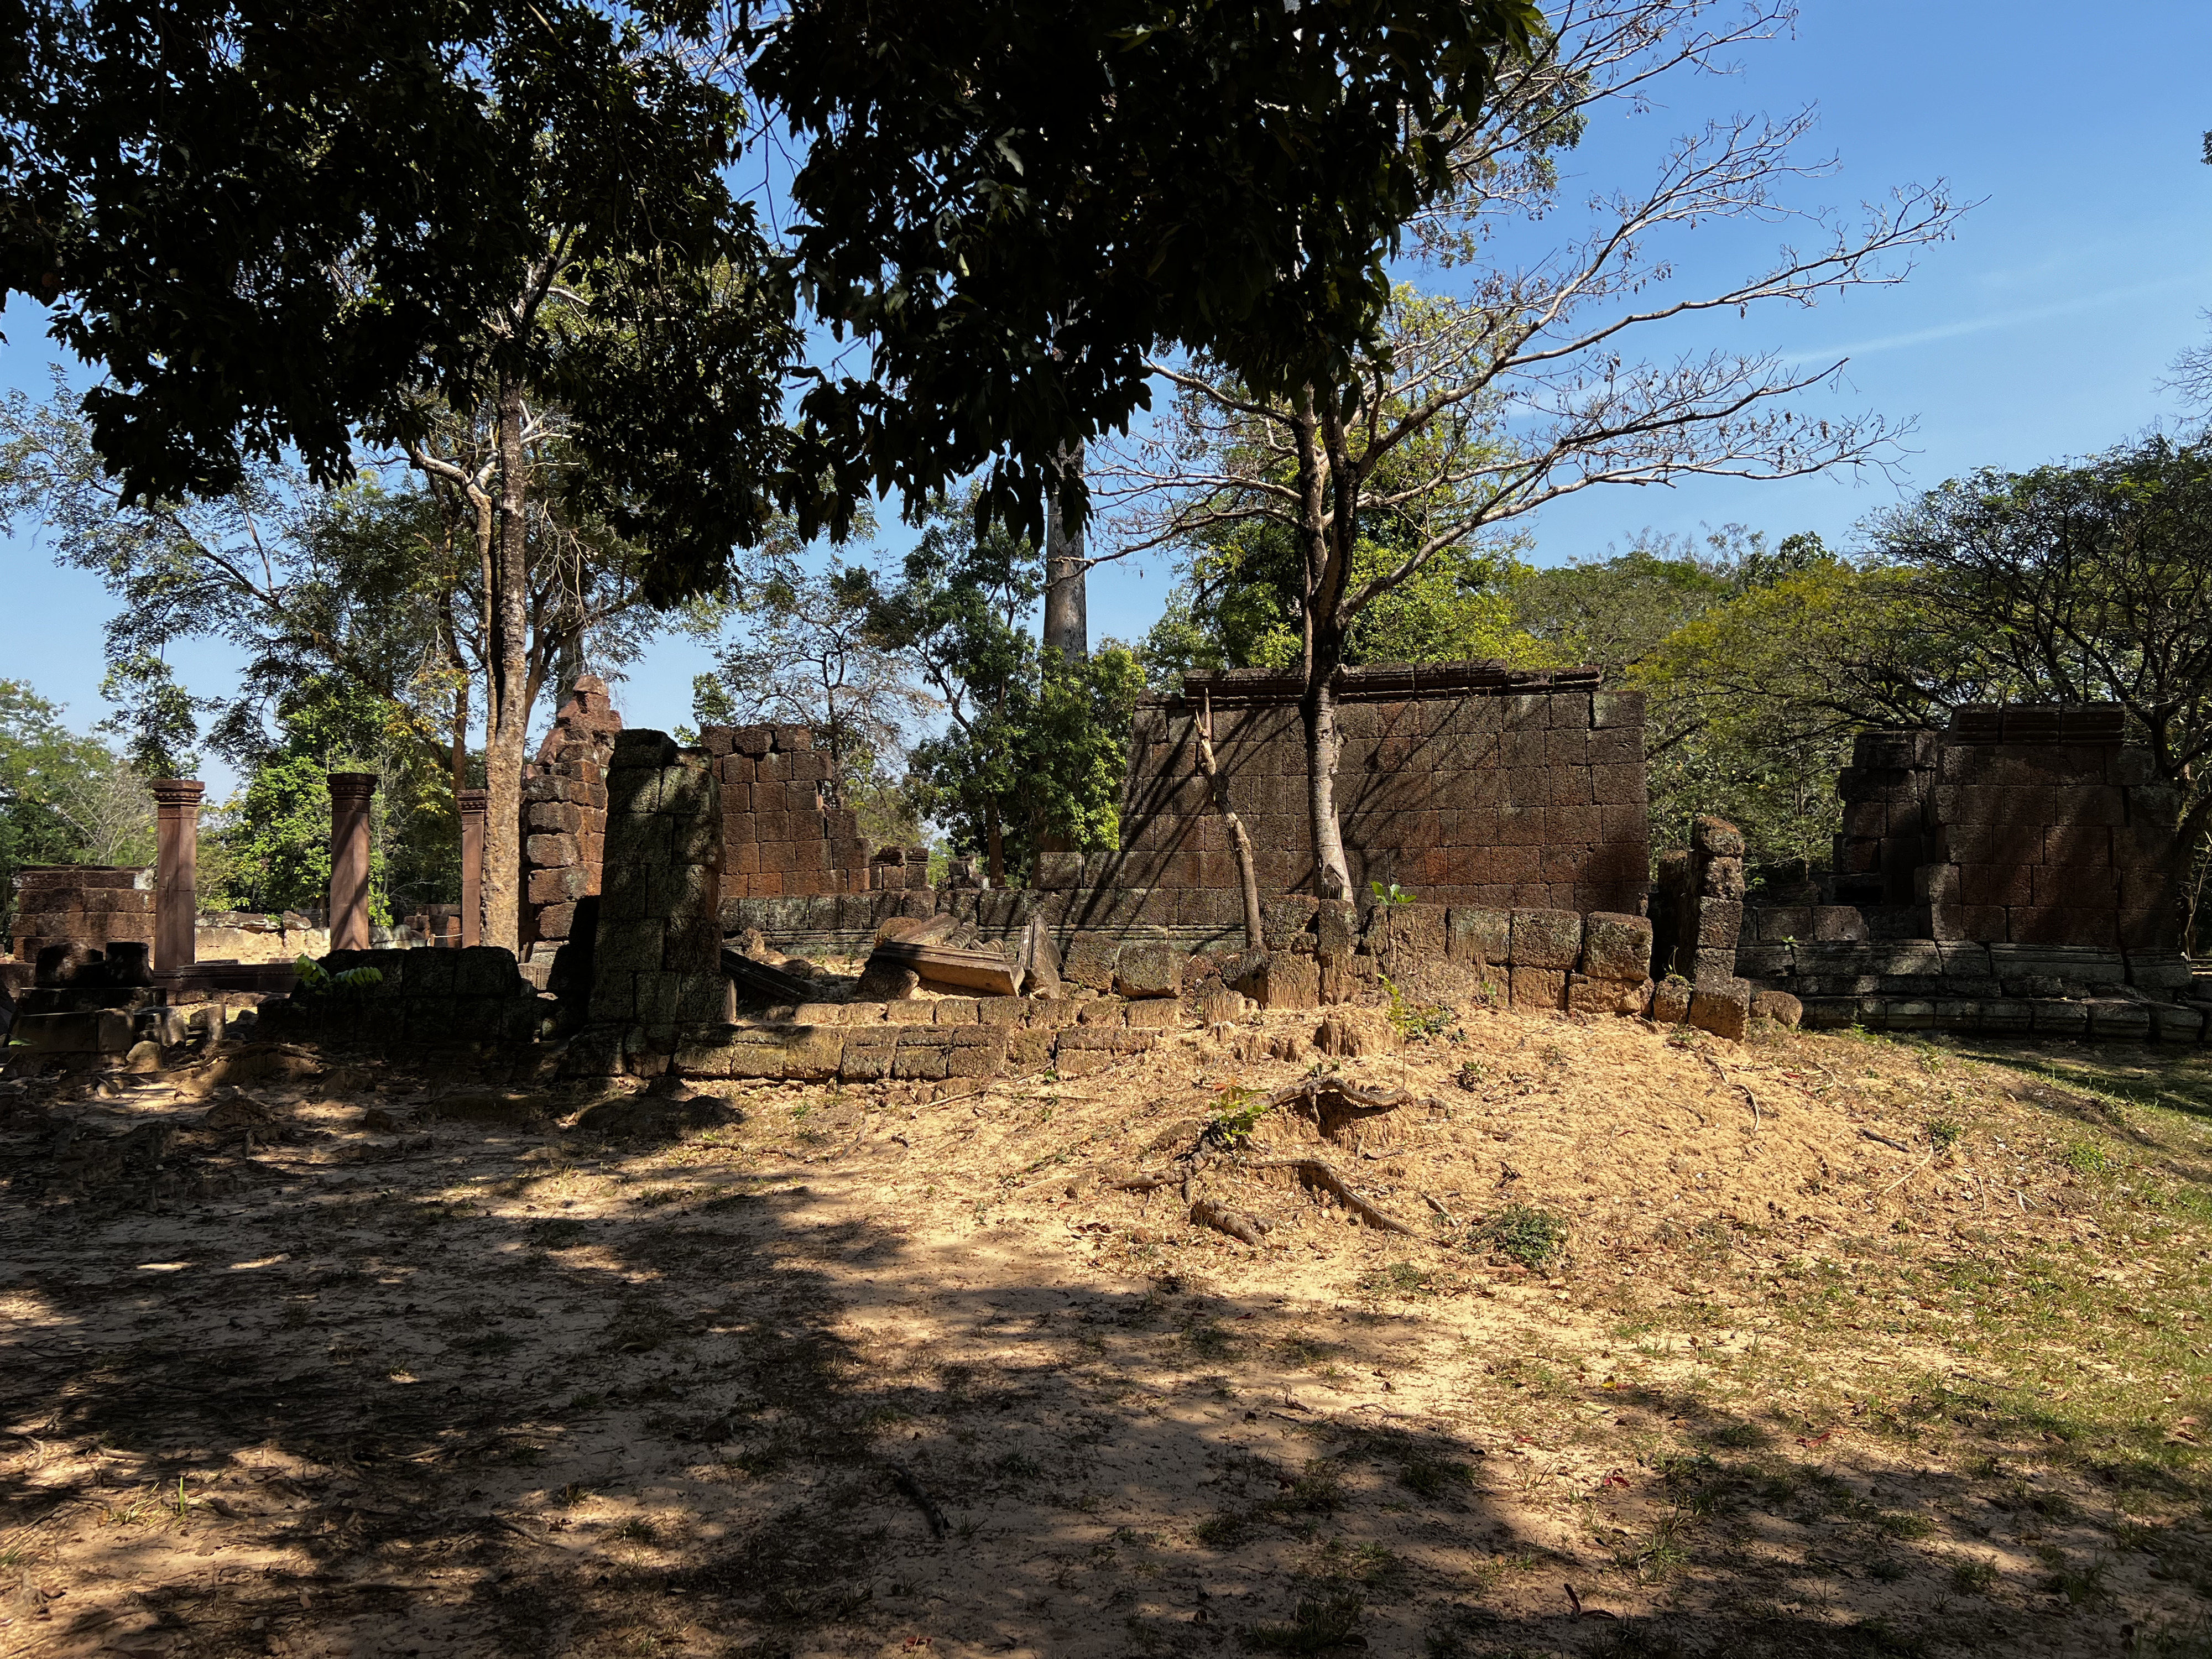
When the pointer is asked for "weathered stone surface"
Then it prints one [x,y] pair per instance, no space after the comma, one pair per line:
[1157,1011]
[1838,923]
[1716,837]
[1347,1035]
[1670,1001]
[1150,967]
[2162,974]
[1617,947]
[1586,995]
[1779,1007]
[1720,924]
[1722,1006]
[1282,980]
[1089,961]
[884,981]
[1547,939]
[1406,933]
[1722,878]
[2113,1018]
[1479,937]
[2173,1022]
[1539,988]
[795,1053]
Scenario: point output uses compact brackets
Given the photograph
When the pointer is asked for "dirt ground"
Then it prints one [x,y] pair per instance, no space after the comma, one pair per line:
[1820,1343]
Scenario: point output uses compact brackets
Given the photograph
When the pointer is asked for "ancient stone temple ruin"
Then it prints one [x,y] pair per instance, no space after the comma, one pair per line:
[2017,871]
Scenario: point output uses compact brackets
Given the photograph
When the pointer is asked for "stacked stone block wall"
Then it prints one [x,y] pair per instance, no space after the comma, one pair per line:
[81,904]
[2048,830]
[564,816]
[656,962]
[1466,783]
[425,999]
[778,837]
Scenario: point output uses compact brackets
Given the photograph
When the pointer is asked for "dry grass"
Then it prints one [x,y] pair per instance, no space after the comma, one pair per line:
[1912,1360]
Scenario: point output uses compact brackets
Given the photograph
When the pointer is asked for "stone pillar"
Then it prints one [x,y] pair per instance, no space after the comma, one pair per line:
[351,793]
[177,865]
[473,803]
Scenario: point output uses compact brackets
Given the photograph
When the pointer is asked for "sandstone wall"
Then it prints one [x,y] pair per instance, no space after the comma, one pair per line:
[84,904]
[1465,783]
[564,817]
[778,837]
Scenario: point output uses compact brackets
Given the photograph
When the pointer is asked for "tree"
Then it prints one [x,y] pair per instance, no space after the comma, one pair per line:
[1013,203]
[1476,409]
[355,218]
[1036,743]
[385,589]
[64,798]
[807,653]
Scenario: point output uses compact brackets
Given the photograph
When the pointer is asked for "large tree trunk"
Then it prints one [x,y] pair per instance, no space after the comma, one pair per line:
[507,711]
[1325,570]
[1066,602]
[1332,873]
[994,845]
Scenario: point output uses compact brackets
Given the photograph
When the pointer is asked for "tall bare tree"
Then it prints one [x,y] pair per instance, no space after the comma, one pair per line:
[1525,386]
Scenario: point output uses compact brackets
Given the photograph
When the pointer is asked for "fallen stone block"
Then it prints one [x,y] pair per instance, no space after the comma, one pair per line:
[1722,1006]
[1779,1007]
[1670,1001]
[1282,980]
[1586,995]
[1089,961]
[1150,967]
[1349,1035]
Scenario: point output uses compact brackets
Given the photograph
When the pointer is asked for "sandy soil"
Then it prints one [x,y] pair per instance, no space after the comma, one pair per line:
[390,1360]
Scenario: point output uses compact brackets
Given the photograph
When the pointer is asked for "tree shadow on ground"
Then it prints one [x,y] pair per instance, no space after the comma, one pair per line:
[389,1408]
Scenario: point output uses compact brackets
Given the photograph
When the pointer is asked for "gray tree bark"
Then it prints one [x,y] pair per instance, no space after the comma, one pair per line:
[1066,602]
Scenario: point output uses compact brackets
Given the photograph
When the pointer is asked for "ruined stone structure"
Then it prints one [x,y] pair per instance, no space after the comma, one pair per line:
[778,836]
[87,904]
[1466,782]
[564,814]
[656,969]
[2016,873]
[176,895]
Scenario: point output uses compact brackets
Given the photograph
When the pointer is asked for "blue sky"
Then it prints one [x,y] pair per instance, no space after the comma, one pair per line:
[2039,331]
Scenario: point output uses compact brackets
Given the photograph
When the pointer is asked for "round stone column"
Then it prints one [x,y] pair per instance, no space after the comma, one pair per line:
[352,794]
[177,871]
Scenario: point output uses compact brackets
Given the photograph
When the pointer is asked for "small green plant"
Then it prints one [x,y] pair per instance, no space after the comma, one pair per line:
[1398,1278]
[2087,1158]
[1470,1074]
[1523,1233]
[1220,1532]
[1415,1022]
[1944,1135]
[1319,1624]
[313,976]
[1432,1478]
[1238,1114]
[1974,1577]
